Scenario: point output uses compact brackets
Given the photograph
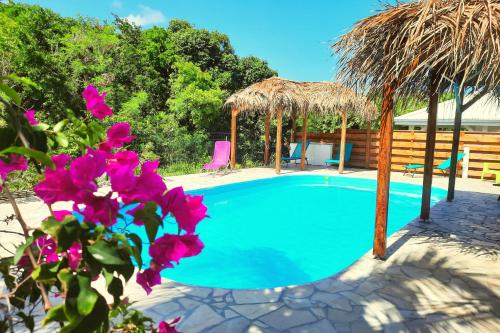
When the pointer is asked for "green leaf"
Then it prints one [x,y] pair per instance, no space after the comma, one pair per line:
[96,321]
[12,95]
[60,125]
[115,288]
[22,80]
[35,154]
[55,313]
[68,233]
[136,240]
[150,219]
[105,253]
[7,137]
[28,321]
[87,297]
[21,248]
[46,272]
[41,127]
[62,140]
[108,276]
[51,226]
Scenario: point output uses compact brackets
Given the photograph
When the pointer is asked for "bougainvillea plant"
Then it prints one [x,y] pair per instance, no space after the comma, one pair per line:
[60,261]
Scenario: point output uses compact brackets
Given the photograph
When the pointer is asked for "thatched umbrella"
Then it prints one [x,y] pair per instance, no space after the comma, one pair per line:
[276,96]
[413,49]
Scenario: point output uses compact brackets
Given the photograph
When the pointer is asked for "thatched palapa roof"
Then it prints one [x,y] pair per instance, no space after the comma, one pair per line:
[276,93]
[456,38]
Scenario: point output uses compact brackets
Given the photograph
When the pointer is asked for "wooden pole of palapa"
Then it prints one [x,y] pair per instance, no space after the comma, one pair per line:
[368,143]
[278,141]
[342,142]
[234,114]
[459,100]
[384,171]
[304,143]
[294,127]
[266,139]
[430,146]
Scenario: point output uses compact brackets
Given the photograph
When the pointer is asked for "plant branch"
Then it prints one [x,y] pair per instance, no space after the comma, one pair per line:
[12,232]
[46,301]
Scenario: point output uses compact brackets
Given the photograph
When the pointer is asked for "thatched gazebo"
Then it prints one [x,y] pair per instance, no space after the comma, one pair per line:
[416,49]
[276,97]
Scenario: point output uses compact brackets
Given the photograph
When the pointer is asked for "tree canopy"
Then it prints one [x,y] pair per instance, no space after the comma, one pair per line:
[163,80]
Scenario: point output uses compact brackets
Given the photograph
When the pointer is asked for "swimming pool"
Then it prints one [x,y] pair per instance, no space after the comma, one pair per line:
[289,230]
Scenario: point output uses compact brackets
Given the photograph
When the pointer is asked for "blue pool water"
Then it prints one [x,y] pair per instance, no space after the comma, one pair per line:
[289,230]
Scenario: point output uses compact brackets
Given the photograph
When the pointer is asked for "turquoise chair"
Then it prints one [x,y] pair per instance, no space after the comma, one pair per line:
[444,166]
[347,155]
[296,155]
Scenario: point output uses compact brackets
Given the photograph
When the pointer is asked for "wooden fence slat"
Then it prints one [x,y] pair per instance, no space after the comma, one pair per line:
[409,147]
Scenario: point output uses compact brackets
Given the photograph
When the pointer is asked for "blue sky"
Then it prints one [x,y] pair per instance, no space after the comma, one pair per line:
[292,35]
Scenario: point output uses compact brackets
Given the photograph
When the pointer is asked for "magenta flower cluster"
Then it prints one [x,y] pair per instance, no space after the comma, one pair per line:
[132,182]
[16,163]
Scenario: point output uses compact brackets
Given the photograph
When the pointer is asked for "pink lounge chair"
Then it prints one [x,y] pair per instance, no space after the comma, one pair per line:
[220,159]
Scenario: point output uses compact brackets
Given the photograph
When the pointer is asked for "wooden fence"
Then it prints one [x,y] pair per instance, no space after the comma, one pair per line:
[409,147]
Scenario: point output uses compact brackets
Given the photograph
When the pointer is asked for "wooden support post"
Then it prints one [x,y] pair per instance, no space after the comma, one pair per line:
[278,141]
[266,139]
[368,143]
[294,127]
[304,143]
[430,146]
[459,97]
[342,142]
[384,171]
[234,114]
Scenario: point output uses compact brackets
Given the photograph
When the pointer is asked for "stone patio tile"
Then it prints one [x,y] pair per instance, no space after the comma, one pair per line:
[322,326]
[299,291]
[253,311]
[297,303]
[165,308]
[201,318]
[335,301]
[369,286]
[286,318]
[339,316]
[256,296]
[188,303]
[235,325]
[415,272]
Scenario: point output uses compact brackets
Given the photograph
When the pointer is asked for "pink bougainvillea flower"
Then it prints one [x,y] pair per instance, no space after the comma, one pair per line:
[61,214]
[48,248]
[61,160]
[85,169]
[187,210]
[165,327]
[149,186]
[30,117]
[148,278]
[74,255]
[121,171]
[118,135]
[57,186]
[95,103]
[101,210]
[16,163]
[170,248]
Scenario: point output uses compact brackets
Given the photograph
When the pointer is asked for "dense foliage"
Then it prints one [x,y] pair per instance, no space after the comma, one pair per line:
[168,83]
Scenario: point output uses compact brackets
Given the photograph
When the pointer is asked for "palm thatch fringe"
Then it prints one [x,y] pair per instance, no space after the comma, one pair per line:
[289,96]
[456,38]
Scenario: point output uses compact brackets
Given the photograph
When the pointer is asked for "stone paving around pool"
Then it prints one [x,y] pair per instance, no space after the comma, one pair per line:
[441,276]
